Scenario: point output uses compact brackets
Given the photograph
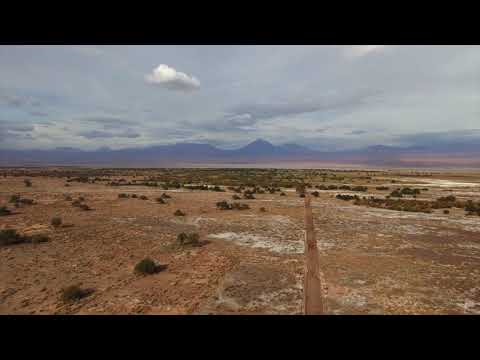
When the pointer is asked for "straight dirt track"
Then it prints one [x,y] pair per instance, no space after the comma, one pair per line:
[313,302]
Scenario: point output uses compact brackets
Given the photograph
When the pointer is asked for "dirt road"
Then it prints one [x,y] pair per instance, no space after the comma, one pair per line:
[313,302]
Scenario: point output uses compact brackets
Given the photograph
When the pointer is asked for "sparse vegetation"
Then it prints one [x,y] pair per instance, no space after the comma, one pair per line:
[12,237]
[74,293]
[192,239]
[4,211]
[56,222]
[146,267]
[224,205]
[346,197]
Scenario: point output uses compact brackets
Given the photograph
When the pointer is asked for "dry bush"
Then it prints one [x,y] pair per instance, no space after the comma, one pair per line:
[56,221]
[74,293]
[179,213]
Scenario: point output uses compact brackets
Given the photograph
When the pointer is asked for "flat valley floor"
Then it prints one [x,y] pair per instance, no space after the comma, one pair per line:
[373,261]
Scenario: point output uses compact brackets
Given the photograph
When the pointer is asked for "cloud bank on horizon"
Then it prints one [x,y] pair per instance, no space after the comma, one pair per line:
[324,97]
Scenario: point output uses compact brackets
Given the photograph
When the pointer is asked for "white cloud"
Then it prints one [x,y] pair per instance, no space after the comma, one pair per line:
[362,50]
[172,79]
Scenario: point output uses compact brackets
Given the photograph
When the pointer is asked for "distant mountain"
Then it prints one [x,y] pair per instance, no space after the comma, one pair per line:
[258,151]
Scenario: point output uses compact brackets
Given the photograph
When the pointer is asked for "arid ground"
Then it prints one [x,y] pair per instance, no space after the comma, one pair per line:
[373,260]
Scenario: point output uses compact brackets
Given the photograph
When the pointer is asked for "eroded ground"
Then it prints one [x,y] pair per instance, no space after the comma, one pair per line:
[374,261]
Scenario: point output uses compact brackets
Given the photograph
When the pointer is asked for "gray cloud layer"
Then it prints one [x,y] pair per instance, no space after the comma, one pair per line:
[321,96]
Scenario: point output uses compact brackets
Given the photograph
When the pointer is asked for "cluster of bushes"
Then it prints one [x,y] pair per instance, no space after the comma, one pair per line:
[12,237]
[404,191]
[471,208]
[346,197]
[204,187]
[396,204]
[224,205]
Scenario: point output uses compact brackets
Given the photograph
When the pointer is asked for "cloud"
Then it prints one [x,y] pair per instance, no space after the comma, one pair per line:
[356,51]
[172,79]
[325,103]
[100,134]
[108,122]
[357,132]
[8,126]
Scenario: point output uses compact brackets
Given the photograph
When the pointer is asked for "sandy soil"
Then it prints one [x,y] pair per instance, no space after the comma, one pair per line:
[373,261]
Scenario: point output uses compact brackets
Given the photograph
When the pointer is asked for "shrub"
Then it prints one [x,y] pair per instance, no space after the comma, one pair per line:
[332,187]
[262,209]
[27,182]
[68,198]
[166,196]
[283,194]
[85,207]
[345,187]
[81,198]
[381,188]
[74,293]
[302,195]
[14,198]
[346,197]
[179,213]
[236,197]
[134,196]
[36,239]
[76,203]
[160,200]
[446,211]
[146,266]
[192,239]
[56,221]
[248,196]
[4,211]
[11,237]
[223,205]
[315,193]
[122,196]
[143,197]
[238,206]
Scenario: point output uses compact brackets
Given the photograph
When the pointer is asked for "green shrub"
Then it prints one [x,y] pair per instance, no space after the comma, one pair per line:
[146,266]
[179,213]
[73,293]
[11,237]
[56,221]
[4,211]
[192,239]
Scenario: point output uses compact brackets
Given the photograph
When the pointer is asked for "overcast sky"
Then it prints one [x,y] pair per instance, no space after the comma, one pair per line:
[325,97]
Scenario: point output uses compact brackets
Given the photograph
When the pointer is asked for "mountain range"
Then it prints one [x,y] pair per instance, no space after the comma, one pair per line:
[257,152]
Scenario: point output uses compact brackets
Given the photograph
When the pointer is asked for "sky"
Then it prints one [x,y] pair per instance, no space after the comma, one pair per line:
[324,97]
